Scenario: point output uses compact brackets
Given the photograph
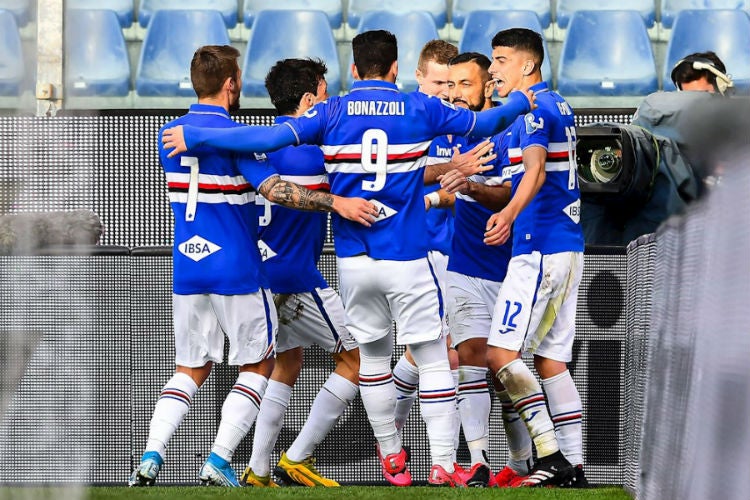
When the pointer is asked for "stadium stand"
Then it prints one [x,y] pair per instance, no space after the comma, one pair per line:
[171,40]
[726,32]
[357,8]
[96,58]
[670,8]
[312,38]
[11,56]
[607,53]
[462,8]
[228,9]
[566,9]
[481,26]
[123,8]
[412,31]
[333,9]
[21,10]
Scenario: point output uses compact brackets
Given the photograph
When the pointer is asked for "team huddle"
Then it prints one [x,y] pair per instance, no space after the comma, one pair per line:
[455,217]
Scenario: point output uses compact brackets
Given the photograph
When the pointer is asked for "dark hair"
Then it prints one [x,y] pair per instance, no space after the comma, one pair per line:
[211,66]
[683,72]
[289,79]
[480,60]
[374,52]
[438,51]
[522,39]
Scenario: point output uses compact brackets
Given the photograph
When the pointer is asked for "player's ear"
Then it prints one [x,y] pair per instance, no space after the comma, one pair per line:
[354,71]
[528,67]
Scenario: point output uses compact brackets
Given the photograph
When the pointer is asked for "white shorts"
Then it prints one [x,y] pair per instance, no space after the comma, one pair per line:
[200,322]
[470,304]
[378,292]
[536,308]
[439,263]
[315,317]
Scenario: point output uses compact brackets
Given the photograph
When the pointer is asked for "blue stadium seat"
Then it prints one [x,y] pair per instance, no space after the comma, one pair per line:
[124,8]
[606,53]
[357,8]
[312,38]
[333,9]
[726,32]
[11,56]
[96,58]
[462,8]
[412,31]
[670,8]
[566,8]
[171,40]
[21,9]
[481,26]
[228,9]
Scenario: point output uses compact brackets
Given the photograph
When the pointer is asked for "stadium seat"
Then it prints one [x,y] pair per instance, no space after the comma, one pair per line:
[481,26]
[333,9]
[566,8]
[124,8]
[171,40]
[228,9]
[726,32]
[11,56]
[312,38]
[412,31]
[606,53]
[96,58]
[357,8]
[462,8]
[21,10]
[670,8]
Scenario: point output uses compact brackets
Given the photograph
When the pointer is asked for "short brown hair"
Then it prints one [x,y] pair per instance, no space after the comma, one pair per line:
[438,51]
[211,66]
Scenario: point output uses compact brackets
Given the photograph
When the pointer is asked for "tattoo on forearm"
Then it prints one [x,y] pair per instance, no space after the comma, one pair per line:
[293,195]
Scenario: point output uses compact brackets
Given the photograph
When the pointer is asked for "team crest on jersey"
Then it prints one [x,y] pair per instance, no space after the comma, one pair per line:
[531,125]
[384,211]
[265,251]
[197,248]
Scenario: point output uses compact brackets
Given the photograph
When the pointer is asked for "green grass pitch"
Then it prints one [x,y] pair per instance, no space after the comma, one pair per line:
[343,493]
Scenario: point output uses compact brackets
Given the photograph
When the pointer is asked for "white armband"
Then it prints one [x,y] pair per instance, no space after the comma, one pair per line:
[434,198]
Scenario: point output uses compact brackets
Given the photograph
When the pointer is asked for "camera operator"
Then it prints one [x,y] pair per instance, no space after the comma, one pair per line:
[659,131]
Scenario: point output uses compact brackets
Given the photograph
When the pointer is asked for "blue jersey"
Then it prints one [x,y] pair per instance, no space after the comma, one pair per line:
[551,221]
[470,256]
[440,220]
[291,241]
[212,195]
[395,130]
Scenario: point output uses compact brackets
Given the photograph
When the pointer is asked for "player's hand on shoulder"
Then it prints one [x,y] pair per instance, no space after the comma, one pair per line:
[498,228]
[174,139]
[475,160]
[356,210]
[530,96]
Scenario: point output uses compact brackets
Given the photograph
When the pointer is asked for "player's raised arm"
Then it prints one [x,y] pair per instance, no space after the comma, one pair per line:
[250,139]
[494,120]
[292,195]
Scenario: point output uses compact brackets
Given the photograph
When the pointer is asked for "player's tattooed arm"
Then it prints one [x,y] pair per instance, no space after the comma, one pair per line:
[289,194]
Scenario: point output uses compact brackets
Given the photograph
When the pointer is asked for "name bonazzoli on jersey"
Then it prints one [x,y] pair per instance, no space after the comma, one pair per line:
[375,108]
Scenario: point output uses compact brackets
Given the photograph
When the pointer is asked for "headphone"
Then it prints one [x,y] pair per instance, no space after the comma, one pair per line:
[723,81]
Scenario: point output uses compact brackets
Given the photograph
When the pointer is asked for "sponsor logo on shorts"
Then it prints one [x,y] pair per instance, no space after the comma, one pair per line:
[197,248]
